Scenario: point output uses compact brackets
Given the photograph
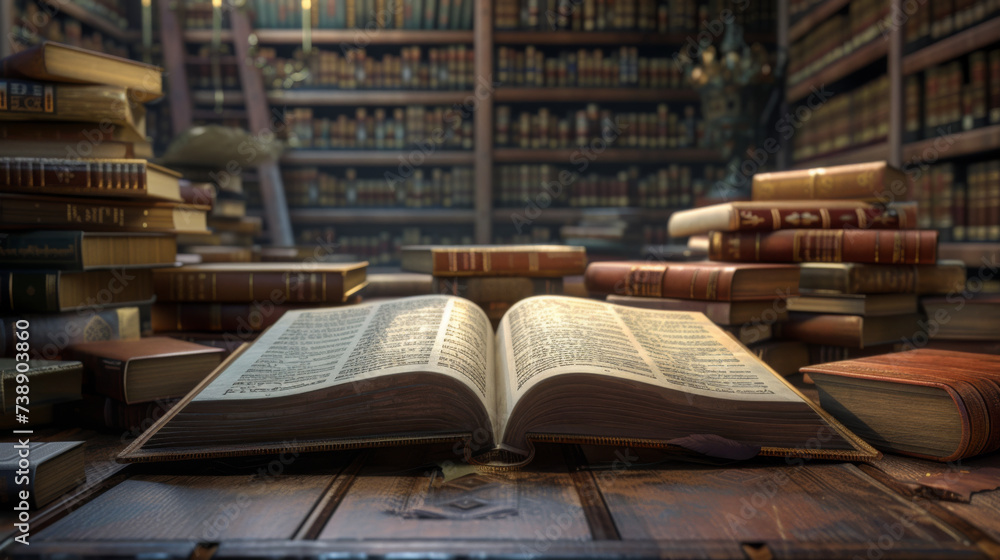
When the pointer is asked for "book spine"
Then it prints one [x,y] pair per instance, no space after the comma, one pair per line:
[54,174]
[241,287]
[109,377]
[832,330]
[474,262]
[48,250]
[862,182]
[881,280]
[768,219]
[83,214]
[215,317]
[877,247]
[52,334]
[659,281]
[29,292]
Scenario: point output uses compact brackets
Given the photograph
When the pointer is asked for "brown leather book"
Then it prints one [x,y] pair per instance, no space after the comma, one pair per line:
[955,317]
[509,289]
[91,106]
[850,330]
[59,62]
[144,370]
[772,215]
[803,245]
[875,182]
[866,305]
[29,291]
[932,404]
[132,178]
[719,312]
[697,280]
[80,250]
[276,283]
[857,278]
[89,214]
[218,317]
[495,260]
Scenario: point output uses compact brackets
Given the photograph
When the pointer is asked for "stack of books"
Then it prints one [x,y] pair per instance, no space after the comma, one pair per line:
[496,277]
[862,264]
[745,300]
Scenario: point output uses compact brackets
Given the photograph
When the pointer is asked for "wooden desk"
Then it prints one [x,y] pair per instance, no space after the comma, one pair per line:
[572,503]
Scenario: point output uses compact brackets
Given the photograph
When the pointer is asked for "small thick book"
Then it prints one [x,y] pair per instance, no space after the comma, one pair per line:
[719,312]
[955,317]
[931,404]
[430,368]
[75,251]
[857,278]
[792,214]
[330,283]
[51,333]
[91,107]
[128,178]
[55,468]
[867,305]
[50,382]
[59,62]
[495,260]
[853,331]
[810,245]
[28,291]
[709,281]
[21,211]
[876,181]
[134,371]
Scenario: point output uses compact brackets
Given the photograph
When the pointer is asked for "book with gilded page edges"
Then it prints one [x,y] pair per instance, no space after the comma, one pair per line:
[430,369]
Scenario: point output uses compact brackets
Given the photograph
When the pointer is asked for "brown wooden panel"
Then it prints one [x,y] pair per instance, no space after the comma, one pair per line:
[200,508]
[824,505]
[389,500]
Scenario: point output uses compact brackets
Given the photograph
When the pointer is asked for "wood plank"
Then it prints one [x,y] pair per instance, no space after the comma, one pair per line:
[394,497]
[580,95]
[377,157]
[814,17]
[983,140]
[205,35]
[840,68]
[178,93]
[823,507]
[894,67]
[483,119]
[205,508]
[614,155]
[363,37]
[963,42]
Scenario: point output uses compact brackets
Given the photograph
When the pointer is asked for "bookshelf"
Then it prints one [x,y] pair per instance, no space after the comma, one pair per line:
[59,12]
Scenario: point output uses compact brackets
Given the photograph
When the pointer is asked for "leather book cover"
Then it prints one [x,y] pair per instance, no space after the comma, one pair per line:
[849,330]
[134,178]
[249,282]
[696,280]
[495,260]
[54,292]
[772,215]
[88,214]
[857,278]
[863,246]
[218,317]
[875,181]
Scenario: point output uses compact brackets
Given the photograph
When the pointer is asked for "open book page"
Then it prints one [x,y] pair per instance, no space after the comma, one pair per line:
[546,336]
[314,349]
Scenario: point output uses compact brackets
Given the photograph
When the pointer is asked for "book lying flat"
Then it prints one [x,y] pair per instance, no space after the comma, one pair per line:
[81,250]
[56,467]
[855,278]
[28,291]
[854,331]
[932,404]
[875,181]
[19,211]
[133,178]
[719,312]
[867,305]
[791,214]
[494,260]
[709,281]
[50,382]
[960,318]
[429,368]
[811,245]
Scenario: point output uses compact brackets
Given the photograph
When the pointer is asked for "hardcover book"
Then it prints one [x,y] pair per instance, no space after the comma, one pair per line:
[430,369]
[75,251]
[856,278]
[959,318]
[329,283]
[132,178]
[875,181]
[695,280]
[803,245]
[931,404]
[18,211]
[719,312]
[772,215]
[867,305]
[24,100]
[56,467]
[50,382]
[853,331]
[54,292]
[50,334]
[134,371]
[495,260]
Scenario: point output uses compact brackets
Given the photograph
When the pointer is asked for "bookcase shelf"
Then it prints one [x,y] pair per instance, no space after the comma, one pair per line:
[91,19]
[841,68]
[342,98]
[223,59]
[572,215]
[376,157]
[610,155]
[963,42]
[981,140]
[868,152]
[580,95]
[211,114]
[362,37]
[814,17]
[615,38]
[382,216]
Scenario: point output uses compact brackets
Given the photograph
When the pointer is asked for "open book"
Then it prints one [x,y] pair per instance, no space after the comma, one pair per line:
[429,368]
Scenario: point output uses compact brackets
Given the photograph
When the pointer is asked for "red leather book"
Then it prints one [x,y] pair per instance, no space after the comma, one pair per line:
[861,246]
[769,216]
[499,260]
[698,280]
[276,283]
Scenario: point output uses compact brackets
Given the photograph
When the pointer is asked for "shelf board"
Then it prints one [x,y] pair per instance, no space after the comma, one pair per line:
[814,17]
[349,97]
[869,152]
[363,37]
[610,155]
[223,59]
[205,36]
[514,37]
[980,140]
[571,215]
[581,95]
[381,216]
[388,158]
[210,114]
[86,17]
[840,68]
[963,42]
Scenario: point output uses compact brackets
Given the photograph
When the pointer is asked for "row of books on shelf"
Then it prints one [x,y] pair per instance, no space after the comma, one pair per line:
[926,23]
[415,67]
[544,128]
[384,246]
[381,129]
[960,95]
[433,188]
[960,200]
[357,14]
[844,121]
[32,23]
[651,16]
[532,67]
[836,37]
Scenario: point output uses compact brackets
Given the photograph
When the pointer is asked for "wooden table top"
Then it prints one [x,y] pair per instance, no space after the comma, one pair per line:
[573,502]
